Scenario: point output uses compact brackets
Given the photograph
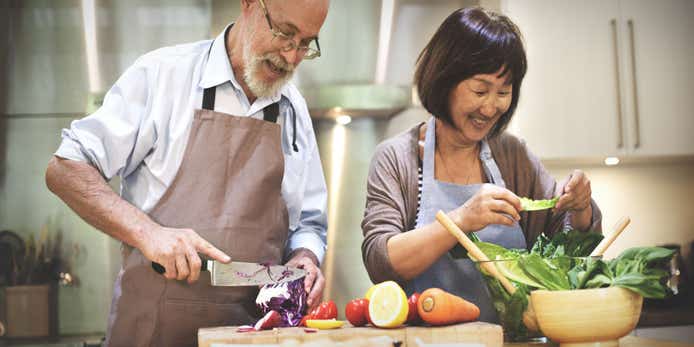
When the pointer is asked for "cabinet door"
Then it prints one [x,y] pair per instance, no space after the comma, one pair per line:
[570,104]
[660,88]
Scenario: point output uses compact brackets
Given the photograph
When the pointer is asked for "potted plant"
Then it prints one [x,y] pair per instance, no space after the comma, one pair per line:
[29,273]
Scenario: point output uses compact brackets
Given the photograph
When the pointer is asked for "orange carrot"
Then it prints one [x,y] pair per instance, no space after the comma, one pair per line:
[438,307]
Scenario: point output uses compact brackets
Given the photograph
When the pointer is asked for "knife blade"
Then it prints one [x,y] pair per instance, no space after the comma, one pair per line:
[237,273]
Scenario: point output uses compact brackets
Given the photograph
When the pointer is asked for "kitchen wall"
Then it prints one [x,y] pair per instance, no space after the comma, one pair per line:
[656,195]
[26,206]
[46,84]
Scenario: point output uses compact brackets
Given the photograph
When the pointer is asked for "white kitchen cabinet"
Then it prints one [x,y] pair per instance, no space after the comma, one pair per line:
[662,74]
[606,77]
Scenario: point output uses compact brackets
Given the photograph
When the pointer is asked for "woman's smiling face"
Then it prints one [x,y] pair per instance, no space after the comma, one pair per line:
[477,103]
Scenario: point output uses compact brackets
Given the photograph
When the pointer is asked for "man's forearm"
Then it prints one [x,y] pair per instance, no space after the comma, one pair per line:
[82,188]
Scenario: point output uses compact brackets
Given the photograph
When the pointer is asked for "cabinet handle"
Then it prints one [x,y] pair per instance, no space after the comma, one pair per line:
[620,128]
[632,51]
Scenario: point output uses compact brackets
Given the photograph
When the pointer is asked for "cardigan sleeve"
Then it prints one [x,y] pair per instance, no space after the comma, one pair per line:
[386,213]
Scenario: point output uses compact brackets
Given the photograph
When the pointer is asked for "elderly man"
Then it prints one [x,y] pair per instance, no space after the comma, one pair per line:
[217,158]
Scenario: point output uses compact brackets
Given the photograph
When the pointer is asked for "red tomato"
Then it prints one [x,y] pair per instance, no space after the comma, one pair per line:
[412,314]
[368,316]
[356,311]
[326,310]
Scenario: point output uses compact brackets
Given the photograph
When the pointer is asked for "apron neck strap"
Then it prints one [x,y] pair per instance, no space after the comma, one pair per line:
[429,149]
[208,98]
[488,163]
[270,112]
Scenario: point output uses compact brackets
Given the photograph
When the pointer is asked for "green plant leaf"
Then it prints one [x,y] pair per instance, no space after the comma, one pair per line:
[544,272]
[528,204]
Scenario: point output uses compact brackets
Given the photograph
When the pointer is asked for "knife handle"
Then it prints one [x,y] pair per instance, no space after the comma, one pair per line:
[160,268]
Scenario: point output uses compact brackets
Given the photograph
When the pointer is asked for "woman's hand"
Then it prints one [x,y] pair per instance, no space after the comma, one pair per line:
[574,196]
[490,205]
[574,192]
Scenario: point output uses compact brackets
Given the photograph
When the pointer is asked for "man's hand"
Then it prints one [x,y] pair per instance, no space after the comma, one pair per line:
[177,251]
[314,282]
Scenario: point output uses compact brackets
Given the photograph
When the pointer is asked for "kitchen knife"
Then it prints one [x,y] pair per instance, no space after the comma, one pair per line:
[238,273]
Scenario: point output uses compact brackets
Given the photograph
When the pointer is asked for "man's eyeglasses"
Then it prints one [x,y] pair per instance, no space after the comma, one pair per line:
[287,43]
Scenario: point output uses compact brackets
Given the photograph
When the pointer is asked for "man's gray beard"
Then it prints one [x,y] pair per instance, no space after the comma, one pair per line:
[253,65]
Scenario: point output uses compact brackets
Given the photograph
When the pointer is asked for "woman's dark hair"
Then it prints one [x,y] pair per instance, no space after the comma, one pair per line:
[469,42]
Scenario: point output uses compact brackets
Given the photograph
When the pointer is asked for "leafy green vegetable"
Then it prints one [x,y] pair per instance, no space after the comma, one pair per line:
[561,263]
[510,308]
[640,270]
[536,205]
[494,251]
[544,272]
[512,270]
[572,243]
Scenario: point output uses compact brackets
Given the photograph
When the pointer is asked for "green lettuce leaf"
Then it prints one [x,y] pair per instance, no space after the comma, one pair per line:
[536,205]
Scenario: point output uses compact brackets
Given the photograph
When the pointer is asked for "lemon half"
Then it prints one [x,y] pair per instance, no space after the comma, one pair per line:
[370,291]
[388,306]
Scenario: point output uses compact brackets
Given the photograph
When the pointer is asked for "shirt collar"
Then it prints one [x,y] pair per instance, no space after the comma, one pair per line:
[218,69]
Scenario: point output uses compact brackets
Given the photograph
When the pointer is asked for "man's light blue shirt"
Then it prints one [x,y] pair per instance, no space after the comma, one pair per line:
[141,131]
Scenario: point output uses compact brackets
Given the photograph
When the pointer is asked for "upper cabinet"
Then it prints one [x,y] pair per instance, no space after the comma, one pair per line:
[606,78]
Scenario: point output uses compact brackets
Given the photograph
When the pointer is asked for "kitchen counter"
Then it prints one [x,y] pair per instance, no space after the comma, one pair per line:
[627,341]
[486,334]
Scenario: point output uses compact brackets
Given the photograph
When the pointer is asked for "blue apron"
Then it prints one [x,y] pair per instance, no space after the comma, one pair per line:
[459,276]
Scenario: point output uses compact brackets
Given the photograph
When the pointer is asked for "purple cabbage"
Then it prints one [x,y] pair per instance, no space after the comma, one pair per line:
[288,299]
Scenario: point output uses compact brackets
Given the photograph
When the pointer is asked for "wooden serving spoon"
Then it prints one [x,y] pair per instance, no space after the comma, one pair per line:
[476,254]
[607,241]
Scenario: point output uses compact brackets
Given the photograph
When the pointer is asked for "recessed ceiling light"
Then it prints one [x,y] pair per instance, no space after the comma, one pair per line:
[611,161]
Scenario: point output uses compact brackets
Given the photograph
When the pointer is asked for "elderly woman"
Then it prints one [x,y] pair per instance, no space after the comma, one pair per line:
[462,162]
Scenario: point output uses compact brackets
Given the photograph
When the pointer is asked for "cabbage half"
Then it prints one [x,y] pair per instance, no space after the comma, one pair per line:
[288,299]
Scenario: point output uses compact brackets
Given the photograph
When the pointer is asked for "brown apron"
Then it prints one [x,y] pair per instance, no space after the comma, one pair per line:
[227,189]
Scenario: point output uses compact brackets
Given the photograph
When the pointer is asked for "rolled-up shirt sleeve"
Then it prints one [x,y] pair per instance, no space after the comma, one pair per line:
[112,139]
[311,231]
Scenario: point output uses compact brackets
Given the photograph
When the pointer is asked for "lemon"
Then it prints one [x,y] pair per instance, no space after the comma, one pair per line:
[324,323]
[388,306]
[370,291]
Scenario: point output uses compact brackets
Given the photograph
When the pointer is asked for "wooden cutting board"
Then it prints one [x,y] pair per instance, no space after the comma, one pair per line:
[490,335]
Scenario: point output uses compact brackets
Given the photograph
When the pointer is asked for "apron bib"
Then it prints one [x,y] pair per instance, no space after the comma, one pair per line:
[227,189]
[459,276]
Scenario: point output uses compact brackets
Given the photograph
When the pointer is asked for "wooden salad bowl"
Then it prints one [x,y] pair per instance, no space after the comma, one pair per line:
[587,317]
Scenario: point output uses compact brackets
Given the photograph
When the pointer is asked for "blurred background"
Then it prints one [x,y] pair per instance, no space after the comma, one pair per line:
[609,90]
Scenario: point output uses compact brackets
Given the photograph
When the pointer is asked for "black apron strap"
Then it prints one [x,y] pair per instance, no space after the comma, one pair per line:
[208,98]
[271,112]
